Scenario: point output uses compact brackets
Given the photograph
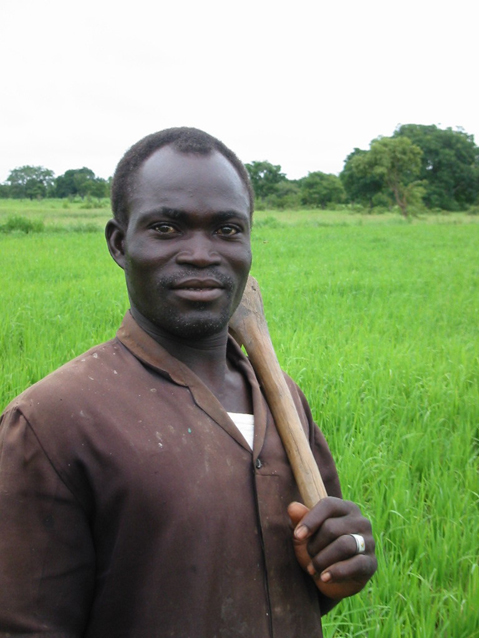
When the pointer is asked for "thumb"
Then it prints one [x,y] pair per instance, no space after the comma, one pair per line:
[296,512]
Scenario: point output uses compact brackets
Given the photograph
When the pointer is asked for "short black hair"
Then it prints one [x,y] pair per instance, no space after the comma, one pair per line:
[182,139]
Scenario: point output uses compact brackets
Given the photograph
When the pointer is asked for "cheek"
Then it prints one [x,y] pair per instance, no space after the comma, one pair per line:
[140,271]
[241,256]
[247,259]
[143,255]
[242,267]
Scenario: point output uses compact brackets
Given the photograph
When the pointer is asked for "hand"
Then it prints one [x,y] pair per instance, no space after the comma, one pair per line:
[325,549]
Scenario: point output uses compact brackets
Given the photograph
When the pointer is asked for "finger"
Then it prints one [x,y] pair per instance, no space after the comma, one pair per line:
[296,512]
[335,528]
[327,508]
[357,571]
[340,550]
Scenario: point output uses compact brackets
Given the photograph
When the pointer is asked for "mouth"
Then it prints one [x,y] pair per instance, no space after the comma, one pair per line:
[199,289]
[197,284]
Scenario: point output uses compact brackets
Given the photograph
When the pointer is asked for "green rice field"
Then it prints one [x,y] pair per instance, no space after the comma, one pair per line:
[377,320]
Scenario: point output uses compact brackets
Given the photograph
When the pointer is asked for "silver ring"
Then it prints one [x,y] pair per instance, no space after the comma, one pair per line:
[360,543]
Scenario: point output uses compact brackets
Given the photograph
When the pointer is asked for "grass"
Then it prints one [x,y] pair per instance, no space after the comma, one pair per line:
[59,215]
[376,318]
[379,326]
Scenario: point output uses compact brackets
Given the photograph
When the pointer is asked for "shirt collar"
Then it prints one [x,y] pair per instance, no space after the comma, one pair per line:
[149,351]
[152,354]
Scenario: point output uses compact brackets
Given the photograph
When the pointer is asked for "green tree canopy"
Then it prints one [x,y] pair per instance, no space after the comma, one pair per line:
[449,165]
[82,182]
[264,177]
[360,187]
[4,191]
[286,195]
[396,161]
[320,189]
[73,182]
[30,181]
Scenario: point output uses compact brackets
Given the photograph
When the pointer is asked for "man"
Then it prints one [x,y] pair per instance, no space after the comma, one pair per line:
[131,504]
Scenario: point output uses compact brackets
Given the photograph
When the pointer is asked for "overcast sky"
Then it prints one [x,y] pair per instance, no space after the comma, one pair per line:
[299,83]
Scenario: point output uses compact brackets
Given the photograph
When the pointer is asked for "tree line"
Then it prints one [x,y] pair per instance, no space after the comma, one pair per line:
[419,166]
[37,182]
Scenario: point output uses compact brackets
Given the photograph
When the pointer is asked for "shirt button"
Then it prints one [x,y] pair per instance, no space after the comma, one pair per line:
[258,464]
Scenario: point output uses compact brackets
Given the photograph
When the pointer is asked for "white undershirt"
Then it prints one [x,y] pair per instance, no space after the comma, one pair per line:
[245,424]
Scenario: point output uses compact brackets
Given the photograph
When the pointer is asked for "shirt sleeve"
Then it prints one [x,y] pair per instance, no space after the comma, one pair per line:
[47,561]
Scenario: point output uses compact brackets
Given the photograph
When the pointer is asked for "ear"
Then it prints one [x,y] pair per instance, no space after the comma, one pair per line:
[115,238]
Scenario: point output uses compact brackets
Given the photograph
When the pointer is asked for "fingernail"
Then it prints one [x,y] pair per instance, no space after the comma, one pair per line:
[310,569]
[326,577]
[301,532]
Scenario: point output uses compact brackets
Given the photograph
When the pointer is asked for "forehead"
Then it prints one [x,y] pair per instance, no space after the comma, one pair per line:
[187,181]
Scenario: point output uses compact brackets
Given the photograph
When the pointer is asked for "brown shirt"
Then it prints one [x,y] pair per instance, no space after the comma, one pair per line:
[131,506]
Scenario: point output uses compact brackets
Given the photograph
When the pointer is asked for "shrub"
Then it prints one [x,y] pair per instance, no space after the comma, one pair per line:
[18,223]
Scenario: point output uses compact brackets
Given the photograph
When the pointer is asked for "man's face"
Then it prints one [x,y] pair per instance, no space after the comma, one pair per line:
[186,251]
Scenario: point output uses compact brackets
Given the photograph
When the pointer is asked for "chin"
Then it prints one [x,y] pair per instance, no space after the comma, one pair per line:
[200,330]
[200,325]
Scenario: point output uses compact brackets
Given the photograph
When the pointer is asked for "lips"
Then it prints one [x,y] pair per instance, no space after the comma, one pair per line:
[197,284]
[203,290]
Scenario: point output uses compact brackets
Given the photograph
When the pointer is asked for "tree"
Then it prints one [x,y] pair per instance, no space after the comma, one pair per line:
[320,189]
[79,181]
[4,191]
[397,162]
[99,187]
[286,195]
[264,177]
[360,188]
[74,182]
[449,165]
[30,181]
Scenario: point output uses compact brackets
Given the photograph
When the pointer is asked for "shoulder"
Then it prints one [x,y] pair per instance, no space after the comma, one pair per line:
[64,381]
[73,386]
[63,414]
[300,402]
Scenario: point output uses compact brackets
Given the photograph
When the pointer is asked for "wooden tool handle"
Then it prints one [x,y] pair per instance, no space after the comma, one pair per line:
[249,328]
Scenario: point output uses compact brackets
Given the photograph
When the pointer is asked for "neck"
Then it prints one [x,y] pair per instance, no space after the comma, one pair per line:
[205,356]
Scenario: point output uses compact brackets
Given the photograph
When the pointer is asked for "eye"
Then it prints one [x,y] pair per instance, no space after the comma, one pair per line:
[228,230]
[163,228]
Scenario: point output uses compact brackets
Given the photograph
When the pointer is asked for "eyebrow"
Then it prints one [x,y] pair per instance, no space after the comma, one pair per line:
[182,215]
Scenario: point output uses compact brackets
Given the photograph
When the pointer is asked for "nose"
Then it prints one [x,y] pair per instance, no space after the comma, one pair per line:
[198,250]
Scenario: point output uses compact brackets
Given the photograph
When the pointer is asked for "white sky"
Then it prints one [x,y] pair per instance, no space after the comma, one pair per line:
[297,83]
